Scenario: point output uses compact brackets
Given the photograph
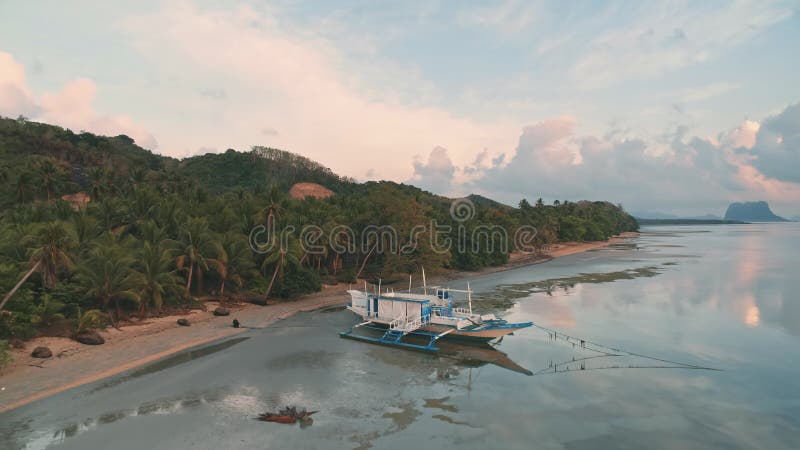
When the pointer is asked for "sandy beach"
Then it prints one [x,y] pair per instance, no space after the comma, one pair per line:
[28,379]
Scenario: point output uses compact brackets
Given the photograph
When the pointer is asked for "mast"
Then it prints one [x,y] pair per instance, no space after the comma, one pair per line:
[469,297]
[409,283]
[424,283]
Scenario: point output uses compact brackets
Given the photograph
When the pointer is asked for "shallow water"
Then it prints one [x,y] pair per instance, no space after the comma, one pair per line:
[690,339]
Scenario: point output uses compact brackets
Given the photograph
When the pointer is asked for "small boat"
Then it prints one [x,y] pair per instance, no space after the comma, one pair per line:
[433,316]
[288,415]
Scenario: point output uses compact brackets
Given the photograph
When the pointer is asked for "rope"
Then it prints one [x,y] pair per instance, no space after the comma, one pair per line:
[600,348]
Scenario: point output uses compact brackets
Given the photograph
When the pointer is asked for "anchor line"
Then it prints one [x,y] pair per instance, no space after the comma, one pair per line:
[552,372]
[618,351]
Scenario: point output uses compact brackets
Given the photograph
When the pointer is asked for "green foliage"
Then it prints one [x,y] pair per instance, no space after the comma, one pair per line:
[91,320]
[5,353]
[47,312]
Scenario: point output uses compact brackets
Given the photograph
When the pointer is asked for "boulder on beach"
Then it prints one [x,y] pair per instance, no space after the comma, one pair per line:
[42,352]
[90,338]
[183,322]
[258,301]
[221,311]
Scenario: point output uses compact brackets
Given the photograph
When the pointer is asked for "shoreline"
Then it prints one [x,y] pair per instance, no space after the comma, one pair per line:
[24,380]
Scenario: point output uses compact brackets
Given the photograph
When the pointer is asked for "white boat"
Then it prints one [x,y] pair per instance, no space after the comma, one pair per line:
[433,316]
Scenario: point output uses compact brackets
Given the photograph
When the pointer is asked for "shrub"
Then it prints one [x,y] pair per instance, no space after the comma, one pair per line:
[91,320]
[5,355]
[48,312]
[346,276]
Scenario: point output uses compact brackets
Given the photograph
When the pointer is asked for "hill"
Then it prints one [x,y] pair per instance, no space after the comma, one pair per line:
[752,212]
[97,223]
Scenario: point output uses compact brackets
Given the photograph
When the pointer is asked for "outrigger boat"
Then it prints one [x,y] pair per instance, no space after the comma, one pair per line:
[433,316]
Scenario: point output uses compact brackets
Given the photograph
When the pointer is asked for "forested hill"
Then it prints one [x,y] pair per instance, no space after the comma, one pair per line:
[97,223]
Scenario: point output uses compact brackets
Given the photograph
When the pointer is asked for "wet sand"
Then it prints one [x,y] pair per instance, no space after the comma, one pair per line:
[29,379]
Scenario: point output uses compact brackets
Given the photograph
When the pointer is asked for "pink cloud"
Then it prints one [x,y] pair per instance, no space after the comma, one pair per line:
[71,107]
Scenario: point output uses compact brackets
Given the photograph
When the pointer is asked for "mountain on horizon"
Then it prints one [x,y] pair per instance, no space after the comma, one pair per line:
[752,212]
[655,215]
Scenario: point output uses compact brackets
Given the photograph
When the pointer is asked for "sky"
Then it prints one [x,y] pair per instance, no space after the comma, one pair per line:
[676,107]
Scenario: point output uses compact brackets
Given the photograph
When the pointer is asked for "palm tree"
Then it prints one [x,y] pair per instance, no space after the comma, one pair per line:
[234,259]
[48,176]
[196,245]
[108,277]
[98,182]
[154,278]
[23,186]
[49,251]
[280,256]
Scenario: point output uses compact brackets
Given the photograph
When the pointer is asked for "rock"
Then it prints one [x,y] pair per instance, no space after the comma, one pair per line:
[183,322]
[221,311]
[42,352]
[16,343]
[258,301]
[235,323]
[90,338]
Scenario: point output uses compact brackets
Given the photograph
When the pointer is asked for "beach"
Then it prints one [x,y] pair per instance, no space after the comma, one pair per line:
[28,379]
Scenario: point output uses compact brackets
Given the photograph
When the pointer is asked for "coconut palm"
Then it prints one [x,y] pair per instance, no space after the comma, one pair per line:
[196,246]
[23,186]
[48,251]
[47,173]
[108,278]
[154,279]
[234,259]
[288,252]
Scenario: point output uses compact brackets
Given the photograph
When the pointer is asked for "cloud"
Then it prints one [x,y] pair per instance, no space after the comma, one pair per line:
[507,18]
[15,96]
[742,136]
[674,171]
[668,37]
[777,146]
[303,85]
[706,92]
[70,107]
[436,174]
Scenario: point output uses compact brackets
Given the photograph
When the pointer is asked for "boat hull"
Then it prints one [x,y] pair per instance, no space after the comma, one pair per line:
[479,335]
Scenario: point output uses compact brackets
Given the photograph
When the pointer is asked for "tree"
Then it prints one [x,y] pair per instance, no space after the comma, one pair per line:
[23,186]
[280,256]
[49,251]
[48,175]
[196,247]
[154,279]
[233,260]
[108,278]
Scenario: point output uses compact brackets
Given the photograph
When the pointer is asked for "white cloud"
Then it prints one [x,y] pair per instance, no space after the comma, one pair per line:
[507,18]
[302,85]
[705,92]
[671,36]
[436,174]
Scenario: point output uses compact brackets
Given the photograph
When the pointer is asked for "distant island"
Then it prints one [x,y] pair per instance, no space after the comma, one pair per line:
[752,212]
[689,221]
